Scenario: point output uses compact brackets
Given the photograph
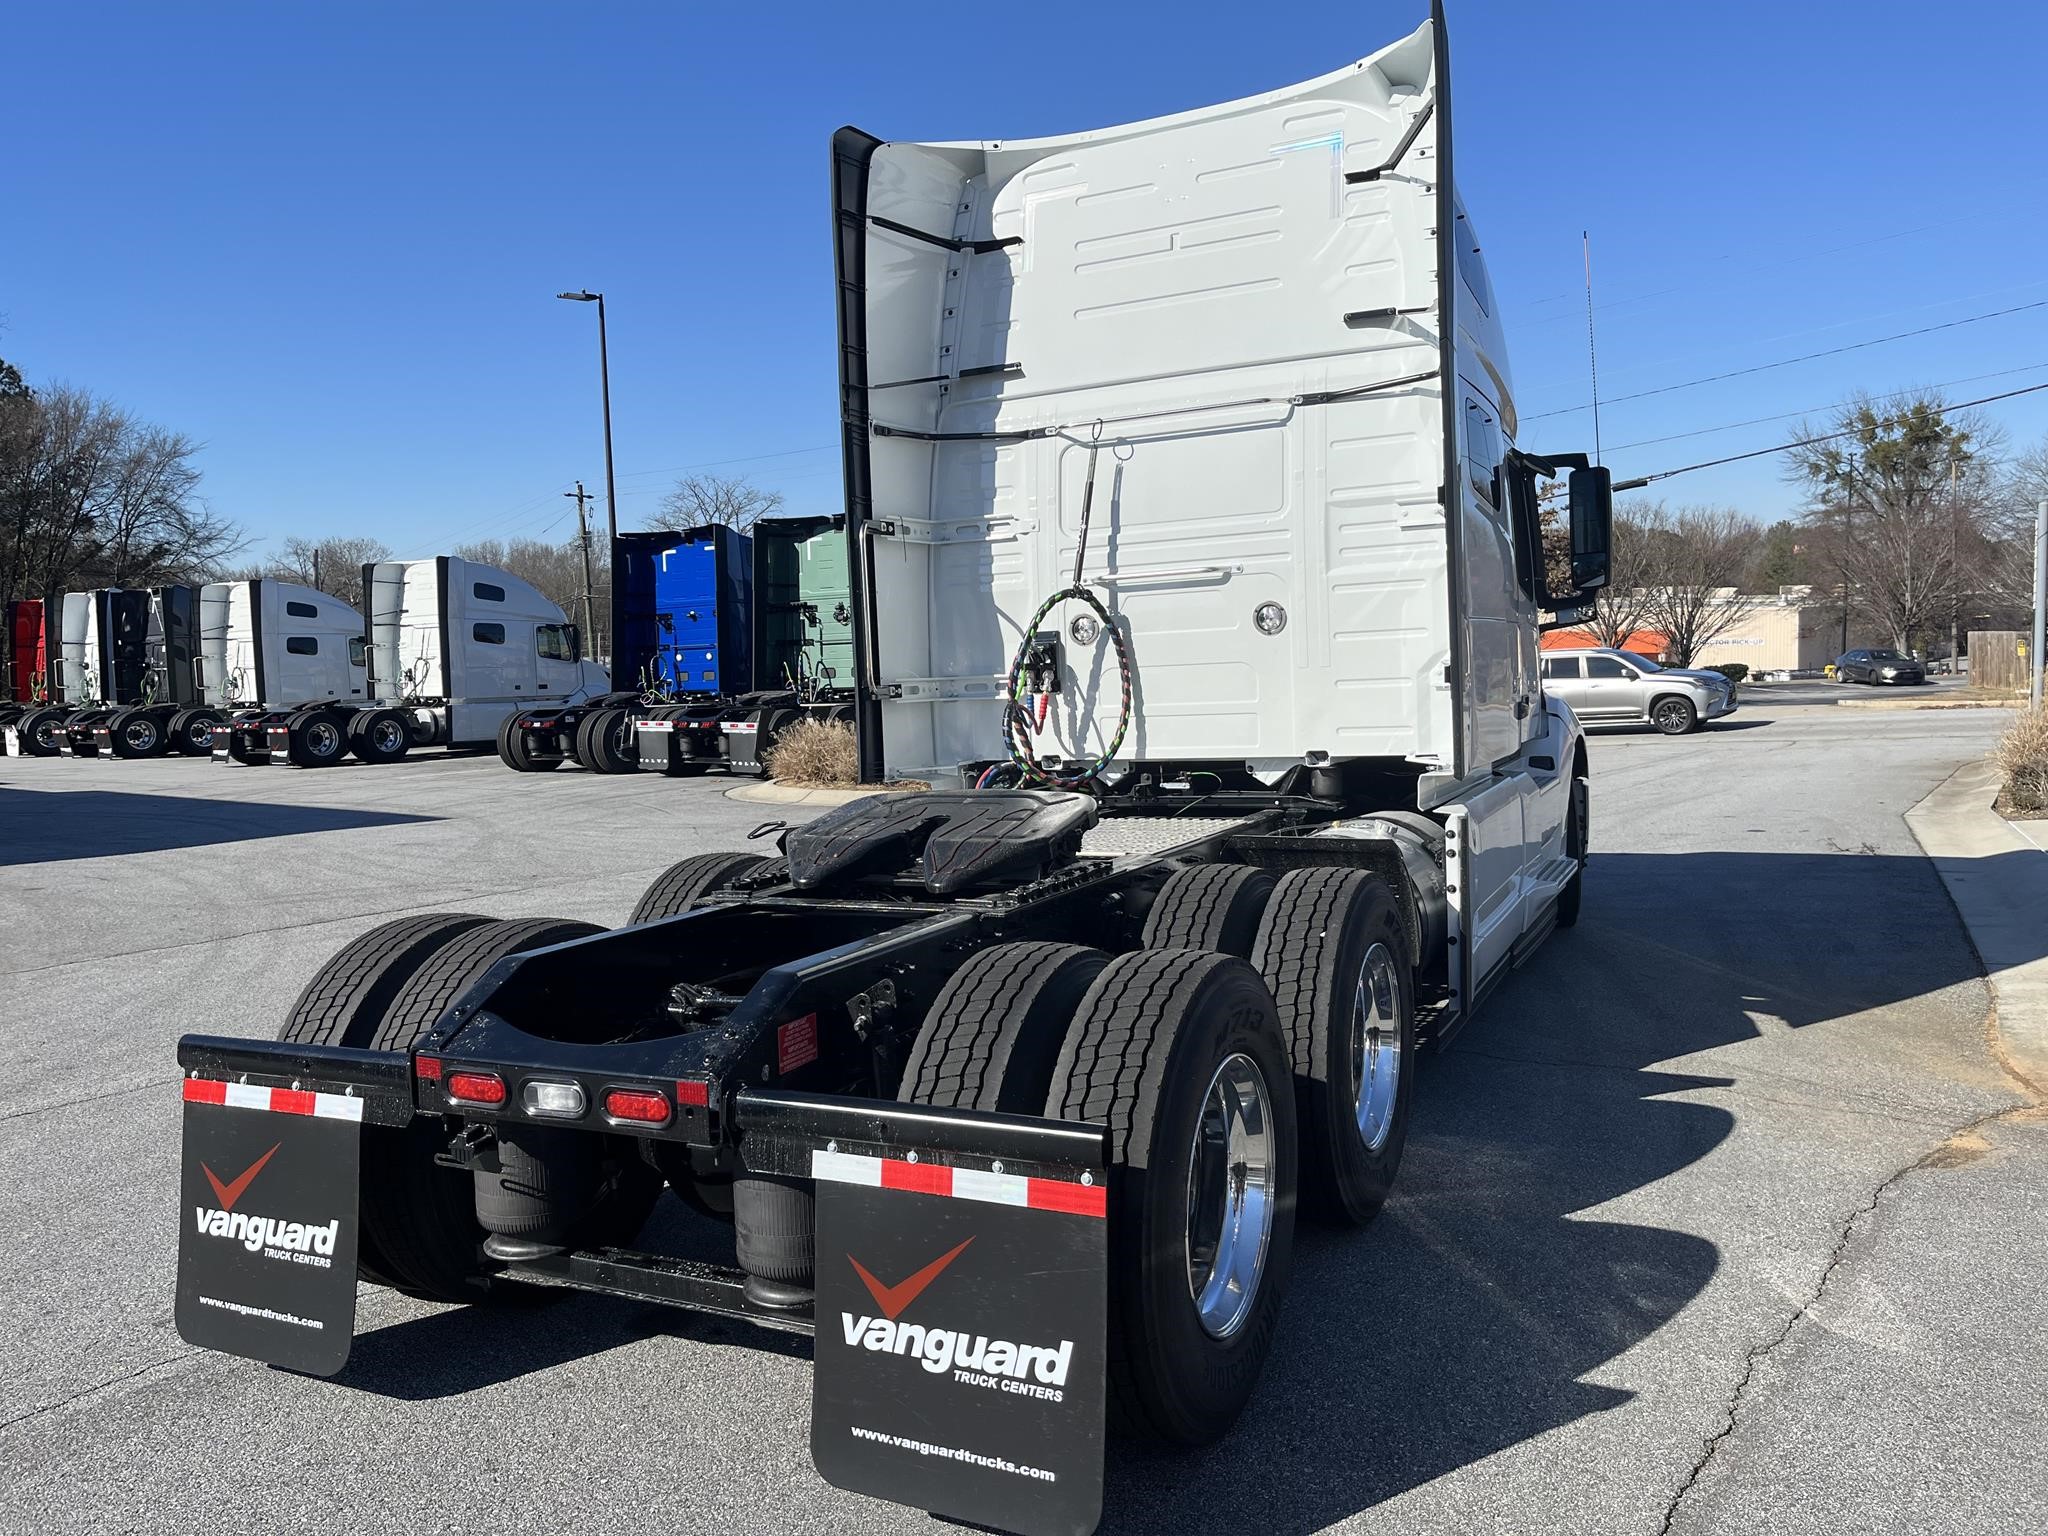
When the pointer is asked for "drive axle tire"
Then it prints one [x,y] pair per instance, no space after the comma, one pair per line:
[994,1032]
[514,753]
[683,884]
[348,995]
[341,1006]
[460,963]
[379,736]
[1334,951]
[1179,1055]
[605,742]
[421,1215]
[38,730]
[316,740]
[135,733]
[1209,906]
[191,732]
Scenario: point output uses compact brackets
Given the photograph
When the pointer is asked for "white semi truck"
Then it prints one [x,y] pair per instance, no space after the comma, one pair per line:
[447,650]
[1180,466]
[269,649]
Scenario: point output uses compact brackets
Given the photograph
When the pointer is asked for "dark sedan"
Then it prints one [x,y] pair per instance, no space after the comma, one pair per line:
[1878,666]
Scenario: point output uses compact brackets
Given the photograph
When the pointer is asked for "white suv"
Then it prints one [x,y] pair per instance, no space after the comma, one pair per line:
[1607,687]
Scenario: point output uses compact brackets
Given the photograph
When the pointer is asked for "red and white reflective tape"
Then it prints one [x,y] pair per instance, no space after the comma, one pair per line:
[283,1101]
[654,725]
[1090,1199]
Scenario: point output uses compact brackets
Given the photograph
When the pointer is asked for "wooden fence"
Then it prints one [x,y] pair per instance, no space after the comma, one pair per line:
[1998,660]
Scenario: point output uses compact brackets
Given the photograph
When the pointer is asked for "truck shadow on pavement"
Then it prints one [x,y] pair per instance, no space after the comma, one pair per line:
[46,828]
[1467,1319]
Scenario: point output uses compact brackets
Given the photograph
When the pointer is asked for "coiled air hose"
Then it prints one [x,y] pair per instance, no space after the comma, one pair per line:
[1018,726]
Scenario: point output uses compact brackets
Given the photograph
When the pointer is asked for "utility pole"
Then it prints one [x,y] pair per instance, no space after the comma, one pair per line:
[581,496]
[316,570]
[1955,576]
[2040,594]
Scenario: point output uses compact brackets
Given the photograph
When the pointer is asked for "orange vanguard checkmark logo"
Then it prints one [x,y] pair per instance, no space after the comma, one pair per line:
[227,1194]
[892,1299]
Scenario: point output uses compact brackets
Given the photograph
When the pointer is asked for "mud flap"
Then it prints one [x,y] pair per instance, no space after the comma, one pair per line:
[267,1223]
[961,1340]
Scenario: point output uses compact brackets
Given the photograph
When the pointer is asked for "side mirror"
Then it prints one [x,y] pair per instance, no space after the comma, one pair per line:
[1592,526]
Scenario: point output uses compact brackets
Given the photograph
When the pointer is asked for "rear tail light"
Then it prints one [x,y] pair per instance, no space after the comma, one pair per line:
[643,1106]
[475,1087]
[693,1091]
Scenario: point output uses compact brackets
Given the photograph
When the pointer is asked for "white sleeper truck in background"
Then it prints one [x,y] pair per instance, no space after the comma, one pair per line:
[462,645]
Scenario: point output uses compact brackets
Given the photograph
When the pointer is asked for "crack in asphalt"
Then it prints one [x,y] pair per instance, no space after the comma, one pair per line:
[84,1392]
[90,1098]
[1732,1408]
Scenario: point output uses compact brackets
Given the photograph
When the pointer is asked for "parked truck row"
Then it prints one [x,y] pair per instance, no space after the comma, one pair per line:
[264,670]
[734,637]
[1193,561]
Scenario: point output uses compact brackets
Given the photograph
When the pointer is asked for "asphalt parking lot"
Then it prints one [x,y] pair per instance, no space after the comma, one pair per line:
[1717,1219]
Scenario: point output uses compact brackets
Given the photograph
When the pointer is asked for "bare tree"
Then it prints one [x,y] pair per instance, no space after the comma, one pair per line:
[1698,555]
[2008,554]
[701,500]
[1623,605]
[334,566]
[1899,497]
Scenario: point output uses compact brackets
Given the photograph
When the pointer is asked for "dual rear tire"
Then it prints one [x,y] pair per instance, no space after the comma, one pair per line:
[1254,1056]
[384,991]
[514,753]
[606,743]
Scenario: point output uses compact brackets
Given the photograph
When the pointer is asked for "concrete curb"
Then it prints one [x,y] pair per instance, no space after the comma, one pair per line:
[1925,703]
[1998,880]
[784,794]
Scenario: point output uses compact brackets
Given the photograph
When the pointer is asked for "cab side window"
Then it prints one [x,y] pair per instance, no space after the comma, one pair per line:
[1605,667]
[302,645]
[1561,667]
[487,634]
[551,642]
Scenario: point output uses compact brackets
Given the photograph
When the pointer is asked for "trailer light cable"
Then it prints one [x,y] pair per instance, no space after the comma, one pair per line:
[1017,730]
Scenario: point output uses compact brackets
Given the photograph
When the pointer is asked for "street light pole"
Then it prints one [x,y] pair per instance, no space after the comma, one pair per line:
[611,486]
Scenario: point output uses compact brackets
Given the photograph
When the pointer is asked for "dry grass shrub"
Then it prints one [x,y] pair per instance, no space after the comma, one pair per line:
[815,754]
[2022,758]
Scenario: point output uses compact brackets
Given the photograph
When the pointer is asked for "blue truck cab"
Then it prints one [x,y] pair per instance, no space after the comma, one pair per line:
[702,612]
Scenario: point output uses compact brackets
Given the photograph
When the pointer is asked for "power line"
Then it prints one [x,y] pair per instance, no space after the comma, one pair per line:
[751,458]
[1757,421]
[1803,442]
[1854,346]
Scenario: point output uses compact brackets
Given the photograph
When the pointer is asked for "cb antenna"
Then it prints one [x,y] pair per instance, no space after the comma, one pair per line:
[1592,350]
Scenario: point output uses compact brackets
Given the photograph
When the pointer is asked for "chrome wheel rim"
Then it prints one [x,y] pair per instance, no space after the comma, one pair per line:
[139,734]
[1376,1046]
[322,739]
[1230,1196]
[386,736]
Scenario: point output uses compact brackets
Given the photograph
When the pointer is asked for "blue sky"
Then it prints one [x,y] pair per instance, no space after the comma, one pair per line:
[324,239]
